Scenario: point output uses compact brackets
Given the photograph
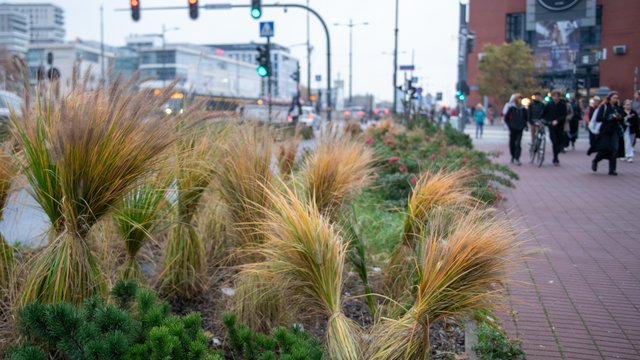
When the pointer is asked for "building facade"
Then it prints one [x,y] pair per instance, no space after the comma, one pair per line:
[14,32]
[85,58]
[198,70]
[46,21]
[577,44]
[283,65]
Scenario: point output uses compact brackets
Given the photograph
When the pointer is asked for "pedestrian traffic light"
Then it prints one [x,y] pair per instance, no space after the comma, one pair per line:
[568,95]
[296,75]
[263,58]
[256,9]
[193,9]
[135,9]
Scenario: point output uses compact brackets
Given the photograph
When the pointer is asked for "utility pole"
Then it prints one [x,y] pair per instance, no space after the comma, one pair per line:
[462,63]
[102,44]
[350,25]
[308,60]
[395,64]
[269,77]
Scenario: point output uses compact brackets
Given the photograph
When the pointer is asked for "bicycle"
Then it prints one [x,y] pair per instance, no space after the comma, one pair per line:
[538,147]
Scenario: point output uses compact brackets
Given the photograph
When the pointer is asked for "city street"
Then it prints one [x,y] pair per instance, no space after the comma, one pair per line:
[578,296]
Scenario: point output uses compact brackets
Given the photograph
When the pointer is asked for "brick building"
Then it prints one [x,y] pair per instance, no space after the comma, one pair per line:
[583,43]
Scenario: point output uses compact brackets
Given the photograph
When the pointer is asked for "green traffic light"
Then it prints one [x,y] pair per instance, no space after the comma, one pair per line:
[461,97]
[458,92]
[256,13]
[568,95]
[262,71]
[547,98]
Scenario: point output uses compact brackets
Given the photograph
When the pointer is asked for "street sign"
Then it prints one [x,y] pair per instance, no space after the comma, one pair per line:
[438,96]
[318,77]
[266,29]
[414,79]
[474,87]
[407,67]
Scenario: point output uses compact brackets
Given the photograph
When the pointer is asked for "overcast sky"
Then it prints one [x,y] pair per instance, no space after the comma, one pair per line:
[427,27]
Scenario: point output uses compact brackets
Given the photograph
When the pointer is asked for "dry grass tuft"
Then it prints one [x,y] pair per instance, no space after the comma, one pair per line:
[7,261]
[245,173]
[303,259]
[286,155]
[81,155]
[335,172]
[441,190]
[352,128]
[459,271]
[185,260]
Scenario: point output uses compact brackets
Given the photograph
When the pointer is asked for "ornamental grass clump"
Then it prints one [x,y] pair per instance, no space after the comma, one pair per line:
[7,261]
[303,259]
[432,191]
[460,270]
[185,260]
[81,155]
[137,217]
[286,155]
[335,172]
[244,174]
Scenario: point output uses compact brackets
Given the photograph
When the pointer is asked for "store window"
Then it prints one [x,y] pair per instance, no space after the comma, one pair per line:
[516,27]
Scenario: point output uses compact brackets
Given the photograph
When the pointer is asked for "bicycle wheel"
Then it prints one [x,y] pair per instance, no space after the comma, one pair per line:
[533,150]
[541,150]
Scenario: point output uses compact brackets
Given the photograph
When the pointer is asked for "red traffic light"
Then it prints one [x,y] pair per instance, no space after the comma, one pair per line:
[193,9]
[135,10]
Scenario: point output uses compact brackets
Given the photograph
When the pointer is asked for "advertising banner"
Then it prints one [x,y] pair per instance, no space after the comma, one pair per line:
[557,45]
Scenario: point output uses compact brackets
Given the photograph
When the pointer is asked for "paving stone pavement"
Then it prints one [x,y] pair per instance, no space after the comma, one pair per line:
[578,296]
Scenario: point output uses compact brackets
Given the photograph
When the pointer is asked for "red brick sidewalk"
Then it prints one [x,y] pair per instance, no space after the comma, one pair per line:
[582,298]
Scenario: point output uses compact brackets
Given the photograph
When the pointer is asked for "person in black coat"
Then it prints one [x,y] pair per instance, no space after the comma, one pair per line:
[609,141]
[555,114]
[535,114]
[516,119]
[574,123]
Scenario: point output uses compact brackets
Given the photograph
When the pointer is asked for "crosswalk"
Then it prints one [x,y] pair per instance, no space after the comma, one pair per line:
[497,134]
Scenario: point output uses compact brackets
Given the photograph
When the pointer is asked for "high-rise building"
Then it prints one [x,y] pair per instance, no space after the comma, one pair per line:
[283,65]
[14,32]
[46,21]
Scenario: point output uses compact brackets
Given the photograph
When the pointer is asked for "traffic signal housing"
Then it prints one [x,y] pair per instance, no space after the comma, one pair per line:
[264,62]
[256,9]
[135,9]
[193,9]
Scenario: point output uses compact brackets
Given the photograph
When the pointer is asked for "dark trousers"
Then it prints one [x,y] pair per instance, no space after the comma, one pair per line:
[515,138]
[574,126]
[610,153]
[556,134]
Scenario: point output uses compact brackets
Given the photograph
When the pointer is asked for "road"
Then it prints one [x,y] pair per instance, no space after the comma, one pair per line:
[579,296]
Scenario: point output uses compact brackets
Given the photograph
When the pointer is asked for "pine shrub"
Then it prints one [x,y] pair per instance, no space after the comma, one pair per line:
[281,343]
[136,326]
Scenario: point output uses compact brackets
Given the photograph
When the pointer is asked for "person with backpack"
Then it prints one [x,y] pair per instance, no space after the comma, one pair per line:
[608,124]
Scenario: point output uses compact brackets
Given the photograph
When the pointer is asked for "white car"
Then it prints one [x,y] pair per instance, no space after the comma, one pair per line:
[9,101]
[309,117]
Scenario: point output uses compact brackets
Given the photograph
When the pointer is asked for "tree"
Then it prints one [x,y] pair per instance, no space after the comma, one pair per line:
[506,69]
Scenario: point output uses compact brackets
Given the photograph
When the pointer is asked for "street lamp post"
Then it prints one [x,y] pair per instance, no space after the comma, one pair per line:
[395,63]
[351,25]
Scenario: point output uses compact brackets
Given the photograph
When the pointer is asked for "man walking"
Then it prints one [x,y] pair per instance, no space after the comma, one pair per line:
[555,114]
[574,122]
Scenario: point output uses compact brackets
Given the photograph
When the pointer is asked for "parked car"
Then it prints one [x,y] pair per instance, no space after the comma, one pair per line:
[355,112]
[310,117]
[8,101]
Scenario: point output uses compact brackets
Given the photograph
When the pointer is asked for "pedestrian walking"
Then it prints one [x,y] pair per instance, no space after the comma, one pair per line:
[631,129]
[479,115]
[555,114]
[516,119]
[491,114]
[574,122]
[636,102]
[593,105]
[609,141]
[535,114]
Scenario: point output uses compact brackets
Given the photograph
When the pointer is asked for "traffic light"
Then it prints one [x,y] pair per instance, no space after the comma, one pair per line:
[193,9]
[264,62]
[581,83]
[296,75]
[135,9]
[256,9]
[568,95]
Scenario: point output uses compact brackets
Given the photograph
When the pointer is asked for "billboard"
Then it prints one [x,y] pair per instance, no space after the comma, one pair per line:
[557,45]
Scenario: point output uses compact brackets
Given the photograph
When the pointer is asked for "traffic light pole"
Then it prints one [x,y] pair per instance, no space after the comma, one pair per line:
[269,77]
[299,6]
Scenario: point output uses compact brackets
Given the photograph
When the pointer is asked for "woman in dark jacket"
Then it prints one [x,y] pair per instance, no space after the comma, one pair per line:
[516,119]
[609,142]
[555,114]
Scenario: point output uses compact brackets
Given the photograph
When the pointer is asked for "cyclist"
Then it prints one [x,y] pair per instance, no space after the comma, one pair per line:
[535,114]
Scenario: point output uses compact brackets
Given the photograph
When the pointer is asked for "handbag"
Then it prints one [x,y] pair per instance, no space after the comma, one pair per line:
[594,124]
